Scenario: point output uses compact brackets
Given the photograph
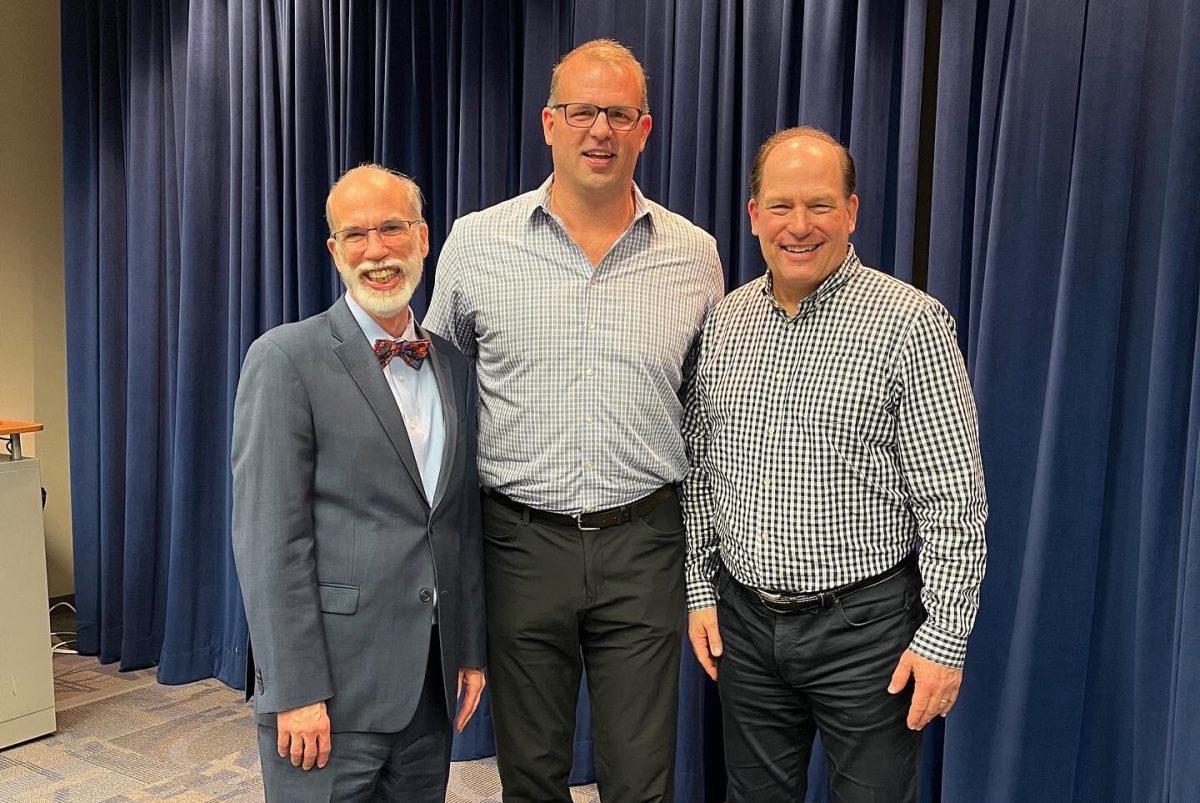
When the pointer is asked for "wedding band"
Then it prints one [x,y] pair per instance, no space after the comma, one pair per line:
[945,700]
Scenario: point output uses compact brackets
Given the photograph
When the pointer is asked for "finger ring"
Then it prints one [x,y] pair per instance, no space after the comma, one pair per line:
[945,700]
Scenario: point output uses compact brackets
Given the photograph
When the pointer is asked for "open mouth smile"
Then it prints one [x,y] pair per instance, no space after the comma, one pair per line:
[599,157]
[382,278]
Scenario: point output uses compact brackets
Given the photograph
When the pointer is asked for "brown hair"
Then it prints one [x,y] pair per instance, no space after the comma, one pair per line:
[779,137]
[609,51]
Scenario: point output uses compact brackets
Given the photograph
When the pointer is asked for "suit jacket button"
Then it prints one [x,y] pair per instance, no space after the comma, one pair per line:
[426,595]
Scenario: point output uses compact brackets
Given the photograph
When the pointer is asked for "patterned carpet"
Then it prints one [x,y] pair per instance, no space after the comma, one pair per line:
[123,737]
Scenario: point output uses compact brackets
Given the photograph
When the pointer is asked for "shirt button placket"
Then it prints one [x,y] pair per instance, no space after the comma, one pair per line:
[590,292]
[772,448]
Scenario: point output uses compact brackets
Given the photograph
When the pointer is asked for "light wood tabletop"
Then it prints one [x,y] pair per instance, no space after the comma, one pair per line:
[8,427]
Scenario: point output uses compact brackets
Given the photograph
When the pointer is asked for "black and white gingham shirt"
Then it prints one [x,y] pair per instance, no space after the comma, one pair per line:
[579,369]
[823,445]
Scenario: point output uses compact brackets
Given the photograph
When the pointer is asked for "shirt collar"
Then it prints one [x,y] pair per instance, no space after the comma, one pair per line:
[540,200]
[824,290]
[371,328]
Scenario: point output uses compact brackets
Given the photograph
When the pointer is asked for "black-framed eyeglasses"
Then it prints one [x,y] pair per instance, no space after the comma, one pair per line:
[583,115]
[388,230]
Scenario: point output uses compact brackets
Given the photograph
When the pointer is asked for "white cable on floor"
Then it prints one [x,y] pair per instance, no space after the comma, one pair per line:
[60,647]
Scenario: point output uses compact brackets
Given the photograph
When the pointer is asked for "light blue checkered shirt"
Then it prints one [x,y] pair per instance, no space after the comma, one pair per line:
[580,369]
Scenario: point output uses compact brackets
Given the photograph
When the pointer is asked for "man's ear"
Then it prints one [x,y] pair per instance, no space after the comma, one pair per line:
[644,126]
[424,239]
[548,125]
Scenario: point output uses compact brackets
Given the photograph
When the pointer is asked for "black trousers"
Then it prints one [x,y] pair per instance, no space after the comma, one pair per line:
[412,765]
[784,677]
[559,599]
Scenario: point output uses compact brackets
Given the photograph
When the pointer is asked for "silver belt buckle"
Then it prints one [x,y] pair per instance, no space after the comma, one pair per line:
[785,603]
[582,529]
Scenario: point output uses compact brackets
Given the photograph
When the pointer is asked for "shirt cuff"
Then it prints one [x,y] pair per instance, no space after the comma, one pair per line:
[939,646]
[700,594]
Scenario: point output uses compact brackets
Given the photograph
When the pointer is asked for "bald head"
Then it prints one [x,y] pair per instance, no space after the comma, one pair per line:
[814,136]
[370,179]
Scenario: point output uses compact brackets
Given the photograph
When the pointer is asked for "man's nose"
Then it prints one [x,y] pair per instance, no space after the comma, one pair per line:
[798,220]
[376,249]
[599,129]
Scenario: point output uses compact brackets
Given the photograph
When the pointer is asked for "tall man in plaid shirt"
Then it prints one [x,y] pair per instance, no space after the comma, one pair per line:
[830,428]
[580,303]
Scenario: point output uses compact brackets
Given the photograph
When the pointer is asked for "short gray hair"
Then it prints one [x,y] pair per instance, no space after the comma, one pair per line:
[414,192]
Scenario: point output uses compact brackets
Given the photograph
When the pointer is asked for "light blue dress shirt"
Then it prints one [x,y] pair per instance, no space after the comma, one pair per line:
[416,394]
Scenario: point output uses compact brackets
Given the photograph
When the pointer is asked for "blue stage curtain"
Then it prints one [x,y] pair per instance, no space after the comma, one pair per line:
[1032,163]
[1064,238]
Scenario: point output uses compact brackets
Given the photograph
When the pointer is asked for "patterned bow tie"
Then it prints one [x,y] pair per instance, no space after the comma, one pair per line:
[412,352]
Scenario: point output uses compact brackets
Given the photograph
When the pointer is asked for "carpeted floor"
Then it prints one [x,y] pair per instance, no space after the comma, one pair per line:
[123,737]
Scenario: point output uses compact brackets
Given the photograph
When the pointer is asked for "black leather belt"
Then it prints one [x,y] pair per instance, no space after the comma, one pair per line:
[784,602]
[594,520]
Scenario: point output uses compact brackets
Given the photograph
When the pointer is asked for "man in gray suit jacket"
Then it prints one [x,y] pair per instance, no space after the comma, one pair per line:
[356,522]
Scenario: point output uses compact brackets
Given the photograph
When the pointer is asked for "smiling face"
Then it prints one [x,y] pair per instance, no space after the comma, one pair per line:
[802,216]
[381,274]
[597,160]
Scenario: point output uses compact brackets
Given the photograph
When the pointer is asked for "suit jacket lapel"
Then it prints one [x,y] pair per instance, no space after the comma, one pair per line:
[444,374]
[355,353]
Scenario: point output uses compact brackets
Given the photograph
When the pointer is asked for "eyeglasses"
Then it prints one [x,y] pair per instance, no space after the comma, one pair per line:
[583,115]
[388,230]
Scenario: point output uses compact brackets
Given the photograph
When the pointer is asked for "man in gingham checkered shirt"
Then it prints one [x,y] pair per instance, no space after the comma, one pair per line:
[830,427]
[580,303]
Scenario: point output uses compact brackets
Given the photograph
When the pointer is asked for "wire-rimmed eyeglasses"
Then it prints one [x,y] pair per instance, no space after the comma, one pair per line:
[387,230]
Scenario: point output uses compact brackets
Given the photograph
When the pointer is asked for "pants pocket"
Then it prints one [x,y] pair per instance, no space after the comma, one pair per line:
[500,525]
[861,613]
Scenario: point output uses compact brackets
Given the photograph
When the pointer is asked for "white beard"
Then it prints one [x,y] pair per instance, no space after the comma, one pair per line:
[383,304]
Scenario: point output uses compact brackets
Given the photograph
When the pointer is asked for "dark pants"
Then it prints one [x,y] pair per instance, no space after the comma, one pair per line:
[784,677]
[412,765]
[559,599]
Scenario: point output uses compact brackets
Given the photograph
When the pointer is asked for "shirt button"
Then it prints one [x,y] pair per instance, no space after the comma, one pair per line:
[770,430]
[591,327]
[763,535]
[590,464]
[766,483]
[425,595]
[779,376]
[591,371]
[589,419]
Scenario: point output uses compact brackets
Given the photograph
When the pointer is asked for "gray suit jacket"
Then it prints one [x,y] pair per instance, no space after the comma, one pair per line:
[337,549]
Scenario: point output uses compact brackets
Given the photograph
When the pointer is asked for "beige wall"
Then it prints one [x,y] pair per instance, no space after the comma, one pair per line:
[33,379]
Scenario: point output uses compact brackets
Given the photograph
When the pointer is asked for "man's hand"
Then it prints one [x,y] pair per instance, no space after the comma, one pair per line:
[705,638]
[472,680]
[936,687]
[304,734]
